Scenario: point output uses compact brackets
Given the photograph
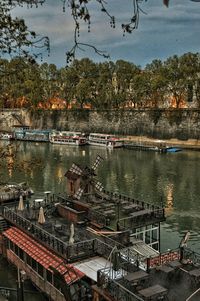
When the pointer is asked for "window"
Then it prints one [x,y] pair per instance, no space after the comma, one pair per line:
[34,264]
[21,254]
[11,245]
[28,260]
[16,250]
[40,269]
[57,283]
[49,276]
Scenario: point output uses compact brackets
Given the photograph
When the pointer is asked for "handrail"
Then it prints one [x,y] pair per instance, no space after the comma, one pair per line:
[115,289]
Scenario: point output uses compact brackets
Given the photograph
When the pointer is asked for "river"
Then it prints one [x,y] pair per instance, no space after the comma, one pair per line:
[170,179]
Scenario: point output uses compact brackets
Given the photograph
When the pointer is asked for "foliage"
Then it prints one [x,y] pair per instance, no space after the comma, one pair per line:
[85,84]
[15,37]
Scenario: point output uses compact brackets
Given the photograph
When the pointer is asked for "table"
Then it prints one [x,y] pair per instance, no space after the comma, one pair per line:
[129,207]
[141,212]
[195,273]
[153,291]
[108,205]
[109,213]
[136,276]
[166,269]
[38,201]
[175,264]
[57,226]
[47,193]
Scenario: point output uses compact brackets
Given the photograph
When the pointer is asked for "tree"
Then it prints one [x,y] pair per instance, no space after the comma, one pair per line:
[85,82]
[16,38]
[191,69]
[157,83]
[181,73]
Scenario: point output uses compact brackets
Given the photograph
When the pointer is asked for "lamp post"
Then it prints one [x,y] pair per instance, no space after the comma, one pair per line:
[20,284]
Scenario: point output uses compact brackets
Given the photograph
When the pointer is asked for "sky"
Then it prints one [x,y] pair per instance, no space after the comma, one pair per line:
[162,31]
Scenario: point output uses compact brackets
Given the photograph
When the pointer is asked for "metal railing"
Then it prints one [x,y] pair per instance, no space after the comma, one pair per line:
[114,288]
[191,256]
[69,252]
[116,197]
[152,216]
[72,252]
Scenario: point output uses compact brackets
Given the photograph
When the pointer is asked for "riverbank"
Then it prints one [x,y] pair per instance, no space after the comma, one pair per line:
[190,144]
[161,124]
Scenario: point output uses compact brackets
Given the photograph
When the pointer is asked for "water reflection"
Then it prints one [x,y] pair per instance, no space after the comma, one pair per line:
[169,198]
[153,177]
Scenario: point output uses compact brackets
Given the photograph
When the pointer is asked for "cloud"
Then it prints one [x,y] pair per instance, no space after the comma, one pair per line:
[162,31]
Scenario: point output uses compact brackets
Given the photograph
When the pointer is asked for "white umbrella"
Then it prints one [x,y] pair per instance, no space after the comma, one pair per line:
[71,239]
[41,218]
[21,203]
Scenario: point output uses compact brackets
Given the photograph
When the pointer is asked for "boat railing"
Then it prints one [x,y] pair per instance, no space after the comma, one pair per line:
[118,198]
[191,256]
[140,218]
[71,252]
[114,288]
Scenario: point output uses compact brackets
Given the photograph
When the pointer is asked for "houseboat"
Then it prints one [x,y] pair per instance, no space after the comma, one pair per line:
[27,134]
[105,140]
[69,138]
[80,254]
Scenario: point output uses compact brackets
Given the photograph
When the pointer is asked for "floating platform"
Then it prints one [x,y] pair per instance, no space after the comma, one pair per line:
[173,149]
[145,147]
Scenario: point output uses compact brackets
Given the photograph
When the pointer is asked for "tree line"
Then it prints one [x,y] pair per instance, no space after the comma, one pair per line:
[104,85]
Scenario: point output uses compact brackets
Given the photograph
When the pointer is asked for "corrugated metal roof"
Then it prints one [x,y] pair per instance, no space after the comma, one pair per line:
[90,267]
[143,249]
[42,255]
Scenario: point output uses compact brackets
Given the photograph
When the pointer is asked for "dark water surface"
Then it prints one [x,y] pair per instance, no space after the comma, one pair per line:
[171,179]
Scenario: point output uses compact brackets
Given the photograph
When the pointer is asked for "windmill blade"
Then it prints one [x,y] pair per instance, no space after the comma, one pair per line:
[76,169]
[99,186]
[79,193]
[98,160]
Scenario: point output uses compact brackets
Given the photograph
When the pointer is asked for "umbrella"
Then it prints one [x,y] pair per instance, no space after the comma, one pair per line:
[21,203]
[41,218]
[185,239]
[71,238]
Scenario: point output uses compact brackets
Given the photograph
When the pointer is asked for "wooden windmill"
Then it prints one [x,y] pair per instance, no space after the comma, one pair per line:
[81,181]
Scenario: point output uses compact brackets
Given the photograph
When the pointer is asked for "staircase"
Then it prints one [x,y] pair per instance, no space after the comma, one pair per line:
[3,225]
[18,118]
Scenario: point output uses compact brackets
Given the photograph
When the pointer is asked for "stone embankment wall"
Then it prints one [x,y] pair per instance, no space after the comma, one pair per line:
[161,123]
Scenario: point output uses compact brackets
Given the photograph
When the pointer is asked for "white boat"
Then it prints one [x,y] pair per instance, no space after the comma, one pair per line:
[6,136]
[105,140]
[69,138]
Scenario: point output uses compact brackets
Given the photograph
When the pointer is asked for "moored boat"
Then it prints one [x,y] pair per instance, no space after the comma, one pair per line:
[12,192]
[6,136]
[105,140]
[69,138]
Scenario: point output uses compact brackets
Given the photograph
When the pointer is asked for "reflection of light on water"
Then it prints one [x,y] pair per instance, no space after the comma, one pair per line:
[10,162]
[59,174]
[169,198]
[83,153]
[31,174]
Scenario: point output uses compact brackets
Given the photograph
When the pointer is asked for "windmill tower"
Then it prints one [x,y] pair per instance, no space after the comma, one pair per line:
[81,181]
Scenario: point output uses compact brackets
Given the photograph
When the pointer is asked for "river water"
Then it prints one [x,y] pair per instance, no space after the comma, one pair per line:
[171,179]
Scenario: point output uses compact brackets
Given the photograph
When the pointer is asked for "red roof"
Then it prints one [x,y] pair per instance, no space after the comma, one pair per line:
[42,255]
